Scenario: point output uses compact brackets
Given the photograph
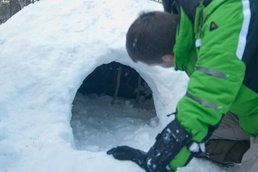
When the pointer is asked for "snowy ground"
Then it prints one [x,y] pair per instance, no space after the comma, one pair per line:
[98,125]
[47,50]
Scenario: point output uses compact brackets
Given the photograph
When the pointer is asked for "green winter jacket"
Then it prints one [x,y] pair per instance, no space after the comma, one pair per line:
[220,40]
[216,45]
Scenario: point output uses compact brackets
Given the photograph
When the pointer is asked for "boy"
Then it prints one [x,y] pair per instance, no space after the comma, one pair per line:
[218,55]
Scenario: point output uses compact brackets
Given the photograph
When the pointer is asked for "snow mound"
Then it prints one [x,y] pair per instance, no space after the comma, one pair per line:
[47,50]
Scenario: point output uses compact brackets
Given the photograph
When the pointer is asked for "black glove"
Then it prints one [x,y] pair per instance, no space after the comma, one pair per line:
[131,154]
[168,143]
[128,153]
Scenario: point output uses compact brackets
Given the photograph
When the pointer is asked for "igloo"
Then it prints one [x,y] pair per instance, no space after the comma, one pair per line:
[49,48]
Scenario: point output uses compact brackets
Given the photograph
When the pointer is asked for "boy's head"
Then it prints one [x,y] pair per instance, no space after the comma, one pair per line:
[151,37]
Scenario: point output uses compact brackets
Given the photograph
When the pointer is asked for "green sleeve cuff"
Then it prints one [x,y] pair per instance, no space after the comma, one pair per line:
[181,159]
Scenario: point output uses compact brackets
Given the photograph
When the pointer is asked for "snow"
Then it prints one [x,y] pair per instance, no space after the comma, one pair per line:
[47,50]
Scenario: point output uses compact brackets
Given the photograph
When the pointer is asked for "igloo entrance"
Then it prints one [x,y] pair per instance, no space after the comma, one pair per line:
[111,96]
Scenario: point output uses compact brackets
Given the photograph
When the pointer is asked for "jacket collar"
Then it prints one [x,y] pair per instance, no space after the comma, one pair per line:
[189,6]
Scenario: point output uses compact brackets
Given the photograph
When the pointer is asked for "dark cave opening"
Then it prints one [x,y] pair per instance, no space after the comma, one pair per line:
[118,81]
[113,101]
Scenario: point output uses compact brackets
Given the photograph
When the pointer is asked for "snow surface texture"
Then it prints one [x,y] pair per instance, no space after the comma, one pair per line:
[47,50]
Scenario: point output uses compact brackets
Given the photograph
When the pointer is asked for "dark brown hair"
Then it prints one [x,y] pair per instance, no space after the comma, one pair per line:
[150,36]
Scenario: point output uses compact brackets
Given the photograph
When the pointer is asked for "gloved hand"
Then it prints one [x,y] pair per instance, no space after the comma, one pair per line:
[128,153]
[173,148]
[131,154]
